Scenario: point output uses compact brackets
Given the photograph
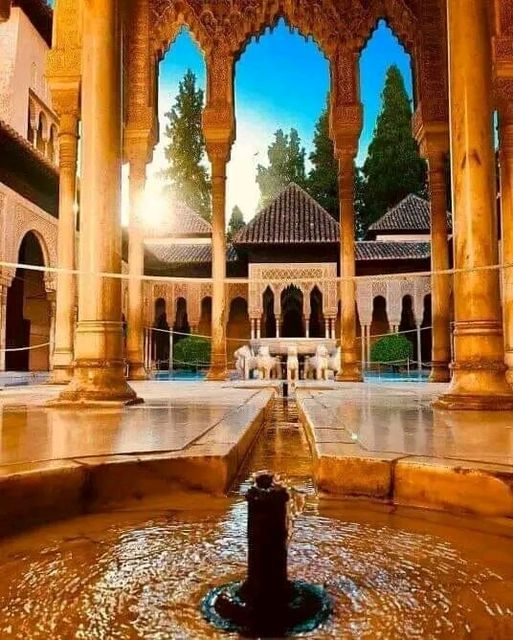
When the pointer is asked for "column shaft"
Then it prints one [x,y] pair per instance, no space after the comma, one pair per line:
[440,284]
[350,371]
[3,325]
[506,136]
[218,368]
[135,338]
[478,370]
[99,365]
[66,282]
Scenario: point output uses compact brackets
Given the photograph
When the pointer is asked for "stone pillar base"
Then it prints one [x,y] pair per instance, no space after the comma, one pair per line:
[474,389]
[136,371]
[440,372]
[61,375]
[453,402]
[349,373]
[217,373]
[98,382]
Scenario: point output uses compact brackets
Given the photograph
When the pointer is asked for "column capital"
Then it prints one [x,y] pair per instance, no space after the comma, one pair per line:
[66,103]
[137,145]
[345,128]
[432,136]
[219,155]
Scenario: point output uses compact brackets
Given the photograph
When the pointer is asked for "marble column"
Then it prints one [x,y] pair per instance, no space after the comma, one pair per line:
[63,355]
[479,380]
[218,155]
[3,324]
[99,374]
[506,177]
[440,283]
[135,338]
[350,371]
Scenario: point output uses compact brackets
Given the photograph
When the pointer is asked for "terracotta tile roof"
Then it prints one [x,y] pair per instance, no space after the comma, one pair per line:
[181,222]
[371,250]
[185,253]
[293,217]
[411,214]
[40,14]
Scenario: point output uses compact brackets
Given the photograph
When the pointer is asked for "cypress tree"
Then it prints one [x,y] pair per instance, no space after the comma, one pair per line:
[235,223]
[286,164]
[323,177]
[187,175]
[393,168]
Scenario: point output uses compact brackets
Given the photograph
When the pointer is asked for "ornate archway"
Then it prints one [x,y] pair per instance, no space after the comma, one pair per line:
[29,312]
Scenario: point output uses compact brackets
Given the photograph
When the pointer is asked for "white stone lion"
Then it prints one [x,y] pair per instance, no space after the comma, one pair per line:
[317,365]
[267,365]
[245,362]
[292,364]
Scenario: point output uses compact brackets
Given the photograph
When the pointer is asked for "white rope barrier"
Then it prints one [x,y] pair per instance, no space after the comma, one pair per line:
[228,280]
[205,337]
[32,348]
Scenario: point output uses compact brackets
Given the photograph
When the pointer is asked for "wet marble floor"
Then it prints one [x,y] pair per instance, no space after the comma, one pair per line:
[57,461]
[385,441]
[173,418]
[398,418]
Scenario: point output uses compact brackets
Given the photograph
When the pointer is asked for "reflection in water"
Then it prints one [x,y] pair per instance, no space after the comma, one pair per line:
[106,577]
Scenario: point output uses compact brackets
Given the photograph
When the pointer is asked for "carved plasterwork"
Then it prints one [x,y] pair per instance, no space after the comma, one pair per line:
[393,291]
[304,276]
[235,22]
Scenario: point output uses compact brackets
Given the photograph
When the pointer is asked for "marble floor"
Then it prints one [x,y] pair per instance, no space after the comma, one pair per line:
[58,462]
[174,416]
[398,418]
[385,441]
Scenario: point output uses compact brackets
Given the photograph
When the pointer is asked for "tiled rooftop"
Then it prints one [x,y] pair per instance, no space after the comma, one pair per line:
[181,221]
[369,250]
[293,217]
[411,214]
[186,253]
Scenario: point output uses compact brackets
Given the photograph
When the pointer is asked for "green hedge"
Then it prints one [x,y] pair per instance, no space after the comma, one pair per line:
[191,352]
[393,349]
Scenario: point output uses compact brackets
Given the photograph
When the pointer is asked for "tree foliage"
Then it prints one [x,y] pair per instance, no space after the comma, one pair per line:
[192,352]
[236,222]
[187,175]
[393,349]
[286,164]
[323,177]
[393,168]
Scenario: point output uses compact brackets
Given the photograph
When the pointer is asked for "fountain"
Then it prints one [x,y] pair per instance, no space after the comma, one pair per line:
[267,603]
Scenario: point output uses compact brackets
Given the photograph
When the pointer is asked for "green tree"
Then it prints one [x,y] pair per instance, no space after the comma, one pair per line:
[393,168]
[323,177]
[187,175]
[286,164]
[236,222]
[192,352]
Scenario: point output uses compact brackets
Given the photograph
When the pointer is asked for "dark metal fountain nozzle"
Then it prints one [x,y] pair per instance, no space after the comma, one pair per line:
[267,604]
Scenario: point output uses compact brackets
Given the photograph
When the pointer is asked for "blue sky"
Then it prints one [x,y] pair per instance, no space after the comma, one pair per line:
[281,81]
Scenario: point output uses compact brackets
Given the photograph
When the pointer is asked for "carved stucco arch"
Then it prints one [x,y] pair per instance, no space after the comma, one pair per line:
[47,240]
[330,23]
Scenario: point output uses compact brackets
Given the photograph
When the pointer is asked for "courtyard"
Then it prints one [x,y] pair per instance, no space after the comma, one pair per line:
[256,319]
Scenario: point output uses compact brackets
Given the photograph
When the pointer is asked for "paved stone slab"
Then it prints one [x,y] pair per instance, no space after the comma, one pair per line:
[386,442]
[57,462]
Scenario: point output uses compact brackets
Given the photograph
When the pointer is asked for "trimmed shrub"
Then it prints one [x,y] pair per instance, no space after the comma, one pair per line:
[393,349]
[192,352]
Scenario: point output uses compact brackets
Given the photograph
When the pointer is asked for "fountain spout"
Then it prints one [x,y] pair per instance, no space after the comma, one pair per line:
[267,603]
[267,582]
